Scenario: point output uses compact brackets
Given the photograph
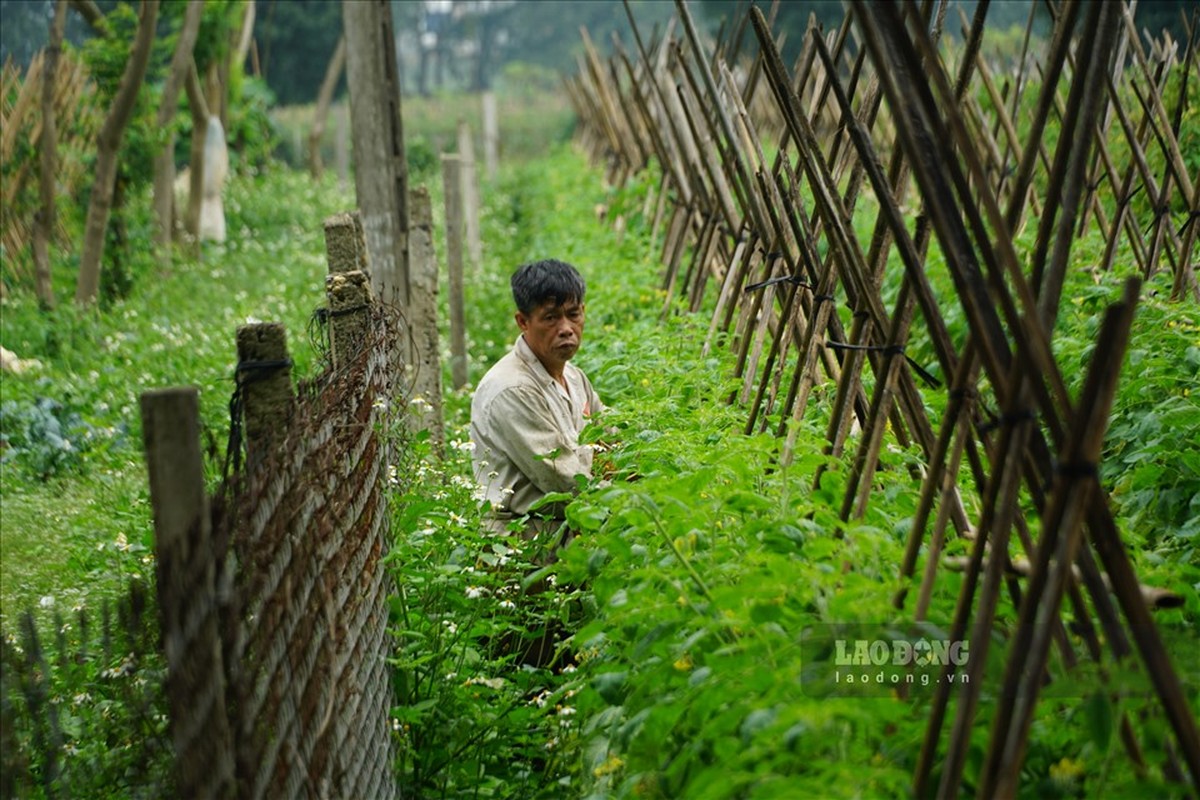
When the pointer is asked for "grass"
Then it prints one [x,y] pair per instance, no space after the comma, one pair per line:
[176,328]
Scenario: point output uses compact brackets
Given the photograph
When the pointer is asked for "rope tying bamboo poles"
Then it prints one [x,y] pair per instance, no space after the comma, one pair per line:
[770,178]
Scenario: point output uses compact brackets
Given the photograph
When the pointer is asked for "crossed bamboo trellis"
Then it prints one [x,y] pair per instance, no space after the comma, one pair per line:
[834,121]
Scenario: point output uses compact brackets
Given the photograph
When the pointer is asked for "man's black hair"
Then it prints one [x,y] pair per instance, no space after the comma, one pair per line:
[535,283]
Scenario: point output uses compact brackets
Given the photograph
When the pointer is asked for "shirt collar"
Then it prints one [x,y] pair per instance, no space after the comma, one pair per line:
[534,364]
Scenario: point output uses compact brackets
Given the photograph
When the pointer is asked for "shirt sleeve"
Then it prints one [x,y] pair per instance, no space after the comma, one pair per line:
[524,426]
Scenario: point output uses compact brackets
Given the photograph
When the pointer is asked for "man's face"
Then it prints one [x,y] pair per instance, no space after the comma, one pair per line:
[553,332]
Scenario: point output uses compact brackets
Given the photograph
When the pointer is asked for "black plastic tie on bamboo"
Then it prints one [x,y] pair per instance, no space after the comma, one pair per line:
[1192,216]
[1163,210]
[964,393]
[1009,419]
[822,298]
[244,374]
[1075,470]
[1128,198]
[890,350]
[795,280]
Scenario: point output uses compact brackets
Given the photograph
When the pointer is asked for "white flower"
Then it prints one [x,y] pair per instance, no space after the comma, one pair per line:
[47,601]
[507,604]
[493,475]
[566,711]
[507,490]
[450,626]
[457,519]
[466,447]
[475,592]
[491,683]
[122,543]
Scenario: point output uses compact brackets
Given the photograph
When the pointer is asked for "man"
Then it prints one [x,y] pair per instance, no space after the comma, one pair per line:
[529,408]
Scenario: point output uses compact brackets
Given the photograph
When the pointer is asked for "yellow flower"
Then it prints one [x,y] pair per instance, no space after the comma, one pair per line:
[1066,771]
[683,663]
[611,765]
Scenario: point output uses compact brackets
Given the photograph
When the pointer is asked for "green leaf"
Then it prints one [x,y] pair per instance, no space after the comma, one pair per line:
[552,497]
[747,502]
[765,612]
[586,517]
[1099,715]
[611,686]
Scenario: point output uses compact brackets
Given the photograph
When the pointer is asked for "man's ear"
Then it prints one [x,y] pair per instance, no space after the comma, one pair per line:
[522,320]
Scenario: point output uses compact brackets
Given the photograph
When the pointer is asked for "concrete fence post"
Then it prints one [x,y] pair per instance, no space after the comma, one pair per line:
[470,193]
[186,586]
[452,183]
[348,288]
[422,314]
[491,135]
[264,373]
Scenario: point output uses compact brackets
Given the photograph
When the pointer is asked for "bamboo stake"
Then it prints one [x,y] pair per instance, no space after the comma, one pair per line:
[1100,522]
[1062,533]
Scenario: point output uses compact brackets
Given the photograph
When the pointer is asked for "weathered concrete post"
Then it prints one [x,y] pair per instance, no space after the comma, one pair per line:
[470,193]
[425,411]
[348,289]
[186,566]
[491,135]
[452,183]
[264,374]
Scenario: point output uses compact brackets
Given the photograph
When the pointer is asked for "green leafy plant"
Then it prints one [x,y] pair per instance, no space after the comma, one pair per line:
[48,438]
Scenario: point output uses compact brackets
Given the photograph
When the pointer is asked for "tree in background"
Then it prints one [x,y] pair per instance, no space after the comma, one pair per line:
[217,86]
[107,150]
[377,133]
[333,76]
[164,160]
[25,28]
[43,230]
[295,40]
